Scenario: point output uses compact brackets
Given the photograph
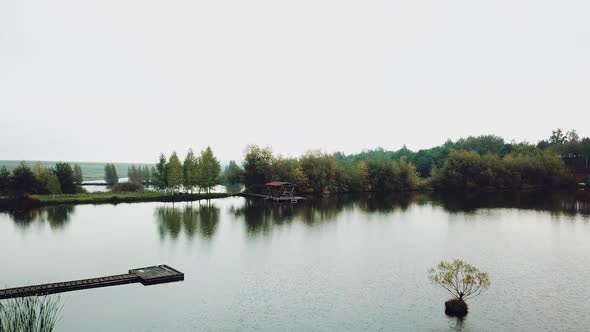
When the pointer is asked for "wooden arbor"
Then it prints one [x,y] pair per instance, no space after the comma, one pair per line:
[282,191]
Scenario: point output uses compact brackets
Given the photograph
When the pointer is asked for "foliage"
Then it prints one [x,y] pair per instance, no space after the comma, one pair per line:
[232,174]
[160,173]
[209,170]
[30,314]
[110,174]
[404,175]
[53,186]
[23,182]
[257,167]
[526,168]
[283,169]
[174,172]
[78,178]
[190,171]
[65,174]
[321,171]
[138,174]
[462,280]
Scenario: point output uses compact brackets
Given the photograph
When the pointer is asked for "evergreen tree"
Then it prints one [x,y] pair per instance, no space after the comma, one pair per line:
[189,175]
[78,178]
[160,173]
[110,174]
[174,172]
[209,170]
[65,174]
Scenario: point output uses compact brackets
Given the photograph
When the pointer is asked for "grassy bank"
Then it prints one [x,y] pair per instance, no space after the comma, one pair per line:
[108,198]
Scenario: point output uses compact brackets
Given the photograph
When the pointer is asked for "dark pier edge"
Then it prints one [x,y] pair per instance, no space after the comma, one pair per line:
[147,276]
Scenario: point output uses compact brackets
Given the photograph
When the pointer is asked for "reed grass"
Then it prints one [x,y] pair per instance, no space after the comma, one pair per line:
[30,314]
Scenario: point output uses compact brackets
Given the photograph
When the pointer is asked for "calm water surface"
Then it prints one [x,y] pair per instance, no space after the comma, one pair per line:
[346,263]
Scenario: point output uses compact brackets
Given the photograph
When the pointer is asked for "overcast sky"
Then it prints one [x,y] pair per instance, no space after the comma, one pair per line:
[124,80]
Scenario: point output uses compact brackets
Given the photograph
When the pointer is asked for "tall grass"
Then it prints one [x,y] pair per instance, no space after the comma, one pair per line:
[30,314]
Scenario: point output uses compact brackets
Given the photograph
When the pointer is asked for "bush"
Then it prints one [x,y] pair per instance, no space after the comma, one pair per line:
[462,280]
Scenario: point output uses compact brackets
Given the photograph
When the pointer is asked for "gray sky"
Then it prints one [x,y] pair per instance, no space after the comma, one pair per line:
[123,80]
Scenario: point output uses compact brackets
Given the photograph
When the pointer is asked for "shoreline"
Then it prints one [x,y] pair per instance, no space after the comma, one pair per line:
[144,197]
[105,198]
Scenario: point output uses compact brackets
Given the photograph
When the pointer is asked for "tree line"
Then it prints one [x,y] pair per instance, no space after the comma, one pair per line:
[200,172]
[25,180]
[483,162]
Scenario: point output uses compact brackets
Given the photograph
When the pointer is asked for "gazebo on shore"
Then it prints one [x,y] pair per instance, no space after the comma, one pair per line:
[280,191]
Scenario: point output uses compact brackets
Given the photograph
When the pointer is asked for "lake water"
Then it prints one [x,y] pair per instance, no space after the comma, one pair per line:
[343,263]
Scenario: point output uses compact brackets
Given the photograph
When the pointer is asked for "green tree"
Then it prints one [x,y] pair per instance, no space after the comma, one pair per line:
[257,167]
[189,171]
[23,182]
[4,180]
[160,173]
[405,176]
[78,178]
[283,169]
[462,280]
[65,174]
[557,137]
[320,170]
[42,174]
[209,170]
[174,172]
[232,174]
[53,185]
[110,174]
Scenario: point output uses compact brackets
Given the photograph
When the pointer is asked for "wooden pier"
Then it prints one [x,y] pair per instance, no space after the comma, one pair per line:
[290,199]
[278,192]
[147,276]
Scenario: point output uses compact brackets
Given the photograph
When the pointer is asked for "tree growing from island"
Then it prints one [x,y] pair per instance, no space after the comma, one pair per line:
[460,279]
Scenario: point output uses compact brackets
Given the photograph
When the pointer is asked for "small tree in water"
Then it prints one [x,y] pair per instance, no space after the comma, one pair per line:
[462,280]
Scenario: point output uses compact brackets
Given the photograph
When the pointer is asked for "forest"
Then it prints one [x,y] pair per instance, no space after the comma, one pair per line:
[475,163]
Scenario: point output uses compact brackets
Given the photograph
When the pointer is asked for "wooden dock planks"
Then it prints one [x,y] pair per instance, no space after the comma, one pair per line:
[147,276]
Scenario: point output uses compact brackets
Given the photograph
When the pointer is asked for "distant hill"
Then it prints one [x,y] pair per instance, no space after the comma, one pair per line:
[91,171]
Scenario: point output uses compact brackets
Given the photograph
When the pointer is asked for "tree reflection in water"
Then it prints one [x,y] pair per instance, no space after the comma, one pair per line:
[261,216]
[57,216]
[199,217]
